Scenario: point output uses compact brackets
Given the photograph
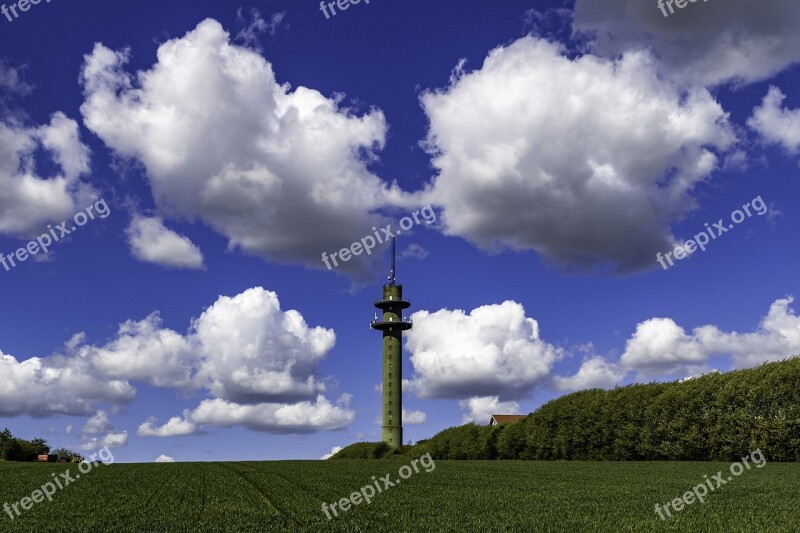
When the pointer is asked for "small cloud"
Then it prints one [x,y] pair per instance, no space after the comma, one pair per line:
[774,213]
[47,257]
[595,372]
[75,341]
[112,440]
[414,251]
[99,424]
[334,451]
[275,22]
[480,409]
[344,400]
[11,81]
[410,418]
[175,427]
[152,242]
[736,160]
[164,459]
[704,372]
[251,29]
[414,418]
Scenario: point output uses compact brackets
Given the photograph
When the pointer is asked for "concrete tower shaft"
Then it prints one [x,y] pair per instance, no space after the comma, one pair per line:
[392,324]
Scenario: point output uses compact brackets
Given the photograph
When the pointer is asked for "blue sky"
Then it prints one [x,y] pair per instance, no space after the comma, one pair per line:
[561,146]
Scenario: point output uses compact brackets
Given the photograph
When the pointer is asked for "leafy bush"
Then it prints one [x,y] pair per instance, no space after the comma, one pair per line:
[364,450]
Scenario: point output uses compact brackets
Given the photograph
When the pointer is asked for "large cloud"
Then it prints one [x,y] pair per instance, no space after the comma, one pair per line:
[703,43]
[282,173]
[660,346]
[243,348]
[301,417]
[494,350]
[585,160]
[255,352]
[257,361]
[281,418]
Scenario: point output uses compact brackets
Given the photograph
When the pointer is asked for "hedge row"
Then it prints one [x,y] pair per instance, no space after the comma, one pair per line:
[719,416]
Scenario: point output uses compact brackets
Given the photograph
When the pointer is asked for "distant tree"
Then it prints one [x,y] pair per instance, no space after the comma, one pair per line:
[5,442]
[41,446]
[21,450]
[380,451]
[511,441]
[68,456]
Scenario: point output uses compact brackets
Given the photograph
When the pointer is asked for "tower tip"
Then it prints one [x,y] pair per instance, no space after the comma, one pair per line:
[393,271]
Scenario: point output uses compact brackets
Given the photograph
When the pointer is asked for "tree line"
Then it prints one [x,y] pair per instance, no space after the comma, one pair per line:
[713,417]
[15,449]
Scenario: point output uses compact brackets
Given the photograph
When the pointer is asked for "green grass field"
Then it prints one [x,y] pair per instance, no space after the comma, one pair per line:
[456,496]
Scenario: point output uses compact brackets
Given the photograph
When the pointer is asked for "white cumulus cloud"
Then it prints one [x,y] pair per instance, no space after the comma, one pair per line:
[587,160]
[414,418]
[300,417]
[480,409]
[152,242]
[281,172]
[334,451]
[493,350]
[257,362]
[174,427]
[594,372]
[660,346]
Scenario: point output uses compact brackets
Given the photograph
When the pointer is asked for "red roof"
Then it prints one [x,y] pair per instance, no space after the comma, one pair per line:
[505,419]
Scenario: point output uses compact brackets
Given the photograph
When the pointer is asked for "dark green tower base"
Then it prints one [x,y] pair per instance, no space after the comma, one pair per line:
[392,325]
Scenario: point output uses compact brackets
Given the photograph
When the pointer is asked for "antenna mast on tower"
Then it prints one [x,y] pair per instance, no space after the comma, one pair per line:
[393,271]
